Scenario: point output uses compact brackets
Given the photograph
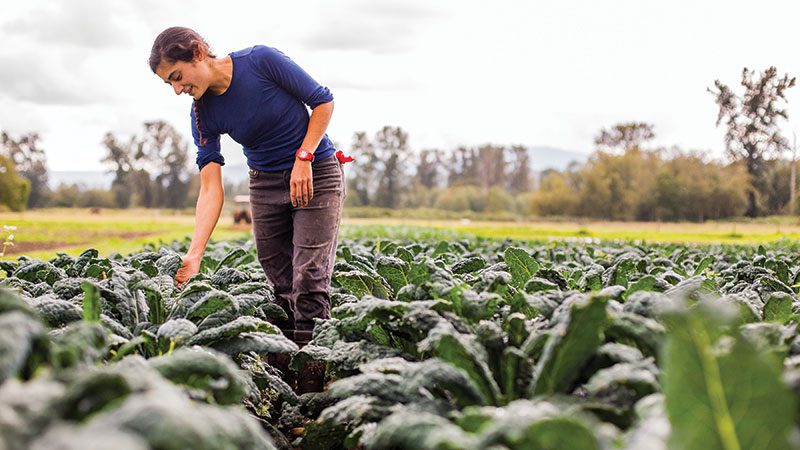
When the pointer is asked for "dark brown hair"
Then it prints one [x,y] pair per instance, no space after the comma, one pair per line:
[180,44]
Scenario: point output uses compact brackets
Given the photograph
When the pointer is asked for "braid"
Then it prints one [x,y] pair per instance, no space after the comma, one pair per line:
[202,140]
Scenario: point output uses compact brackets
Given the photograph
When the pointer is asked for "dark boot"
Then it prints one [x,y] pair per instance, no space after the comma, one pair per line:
[311,377]
[281,362]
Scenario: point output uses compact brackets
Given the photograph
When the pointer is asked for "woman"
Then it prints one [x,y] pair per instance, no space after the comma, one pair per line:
[258,96]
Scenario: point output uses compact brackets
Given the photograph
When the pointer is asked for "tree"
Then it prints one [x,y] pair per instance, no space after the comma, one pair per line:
[618,174]
[73,196]
[752,122]
[423,188]
[118,156]
[145,193]
[463,167]
[163,152]
[391,151]
[777,191]
[555,196]
[645,185]
[151,167]
[364,172]
[491,168]
[624,136]
[519,177]
[428,168]
[31,163]
[689,188]
[14,189]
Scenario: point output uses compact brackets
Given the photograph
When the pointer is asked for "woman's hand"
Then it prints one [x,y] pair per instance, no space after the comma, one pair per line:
[301,185]
[206,215]
[190,266]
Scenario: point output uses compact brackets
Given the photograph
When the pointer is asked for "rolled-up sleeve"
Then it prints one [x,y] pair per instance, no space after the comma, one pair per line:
[209,152]
[291,77]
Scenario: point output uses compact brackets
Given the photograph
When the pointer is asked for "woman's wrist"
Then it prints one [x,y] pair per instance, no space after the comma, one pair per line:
[194,254]
[303,154]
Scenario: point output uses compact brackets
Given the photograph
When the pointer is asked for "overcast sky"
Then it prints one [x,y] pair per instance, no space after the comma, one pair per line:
[449,72]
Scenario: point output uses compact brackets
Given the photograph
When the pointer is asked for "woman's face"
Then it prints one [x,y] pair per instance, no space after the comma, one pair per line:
[185,77]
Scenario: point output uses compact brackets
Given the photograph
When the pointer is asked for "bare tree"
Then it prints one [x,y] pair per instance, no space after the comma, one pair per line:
[519,178]
[463,167]
[491,165]
[392,153]
[119,158]
[753,132]
[363,180]
[428,165]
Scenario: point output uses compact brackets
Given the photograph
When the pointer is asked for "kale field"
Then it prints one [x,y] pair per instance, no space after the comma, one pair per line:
[434,344]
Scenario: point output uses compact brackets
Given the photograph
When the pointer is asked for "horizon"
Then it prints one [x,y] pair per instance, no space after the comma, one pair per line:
[237,172]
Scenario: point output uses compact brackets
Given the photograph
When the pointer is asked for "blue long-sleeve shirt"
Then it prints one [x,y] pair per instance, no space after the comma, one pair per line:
[263,109]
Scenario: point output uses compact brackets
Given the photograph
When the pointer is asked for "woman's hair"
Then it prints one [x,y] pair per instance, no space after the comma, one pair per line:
[180,44]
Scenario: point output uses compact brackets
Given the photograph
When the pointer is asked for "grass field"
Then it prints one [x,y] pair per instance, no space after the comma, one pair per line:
[43,233]
[764,231]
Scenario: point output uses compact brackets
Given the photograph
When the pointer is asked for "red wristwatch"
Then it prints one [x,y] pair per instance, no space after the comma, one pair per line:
[304,155]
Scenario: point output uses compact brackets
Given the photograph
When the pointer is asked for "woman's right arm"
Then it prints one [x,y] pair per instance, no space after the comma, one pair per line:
[209,206]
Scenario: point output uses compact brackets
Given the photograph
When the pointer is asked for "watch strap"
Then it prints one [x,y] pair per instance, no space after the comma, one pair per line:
[304,155]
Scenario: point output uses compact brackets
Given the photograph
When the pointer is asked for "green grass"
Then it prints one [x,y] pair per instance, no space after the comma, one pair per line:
[349,231]
[525,233]
[748,233]
[48,232]
[44,233]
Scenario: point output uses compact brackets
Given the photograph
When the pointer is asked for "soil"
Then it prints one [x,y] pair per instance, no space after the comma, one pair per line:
[22,247]
[26,247]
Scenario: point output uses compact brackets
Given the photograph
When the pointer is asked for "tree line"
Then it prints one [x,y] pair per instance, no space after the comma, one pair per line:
[626,178]
[623,179]
[151,170]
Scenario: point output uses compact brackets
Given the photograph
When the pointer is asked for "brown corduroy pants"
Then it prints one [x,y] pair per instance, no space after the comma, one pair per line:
[296,246]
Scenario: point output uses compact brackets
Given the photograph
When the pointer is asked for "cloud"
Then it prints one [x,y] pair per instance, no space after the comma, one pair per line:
[386,27]
[84,23]
[359,85]
[55,80]
[67,53]
[20,117]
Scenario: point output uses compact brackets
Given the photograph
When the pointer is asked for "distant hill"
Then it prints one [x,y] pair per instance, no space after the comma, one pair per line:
[98,179]
[91,179]
[553,158]
[541,158]
[235,173]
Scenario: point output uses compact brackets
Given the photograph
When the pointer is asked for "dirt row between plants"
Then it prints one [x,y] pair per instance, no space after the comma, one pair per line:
[22,247]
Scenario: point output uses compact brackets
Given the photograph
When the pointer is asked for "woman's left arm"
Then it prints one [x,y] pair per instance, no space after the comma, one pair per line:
[301,187]
[317,125]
